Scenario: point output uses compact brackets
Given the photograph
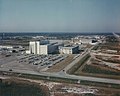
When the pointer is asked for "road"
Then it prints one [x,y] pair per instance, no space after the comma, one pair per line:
[62,74]
[74,62]
[87,51]
[95,79]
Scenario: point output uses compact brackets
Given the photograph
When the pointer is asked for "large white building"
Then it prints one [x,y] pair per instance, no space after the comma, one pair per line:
[43,47]
[34,47]
[69,49]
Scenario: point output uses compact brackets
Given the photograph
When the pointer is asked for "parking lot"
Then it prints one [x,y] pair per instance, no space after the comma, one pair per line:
[30,61]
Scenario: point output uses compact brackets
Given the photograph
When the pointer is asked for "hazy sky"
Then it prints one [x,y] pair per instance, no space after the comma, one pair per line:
[60,15]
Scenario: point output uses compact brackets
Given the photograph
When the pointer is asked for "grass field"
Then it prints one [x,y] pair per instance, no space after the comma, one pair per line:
[95,47]
[78,65]
[96,71]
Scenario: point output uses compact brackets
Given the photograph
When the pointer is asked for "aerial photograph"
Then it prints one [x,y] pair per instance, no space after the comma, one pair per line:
[59,47]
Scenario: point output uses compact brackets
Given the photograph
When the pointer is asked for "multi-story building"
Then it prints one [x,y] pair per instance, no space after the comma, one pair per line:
[34,47]
[43,47]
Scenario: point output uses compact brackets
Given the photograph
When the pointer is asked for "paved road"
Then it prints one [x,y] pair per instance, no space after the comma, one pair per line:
[87,51]
[96,79]
[64,75]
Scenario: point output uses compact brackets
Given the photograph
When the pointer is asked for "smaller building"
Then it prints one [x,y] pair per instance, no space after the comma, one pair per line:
[69,49]
[85,40]
[7,47]
[12,48]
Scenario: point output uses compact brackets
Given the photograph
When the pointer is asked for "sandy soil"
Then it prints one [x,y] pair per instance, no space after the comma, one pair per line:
[56,89]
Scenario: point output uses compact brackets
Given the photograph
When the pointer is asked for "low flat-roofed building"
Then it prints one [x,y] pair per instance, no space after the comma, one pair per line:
[7,47]
[69,49]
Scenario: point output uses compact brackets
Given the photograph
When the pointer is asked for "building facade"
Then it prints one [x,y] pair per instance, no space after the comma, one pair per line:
[69,50]
[42,47]
[33,47]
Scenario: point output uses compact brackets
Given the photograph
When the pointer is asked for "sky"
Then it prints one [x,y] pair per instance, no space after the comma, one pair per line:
[59,15]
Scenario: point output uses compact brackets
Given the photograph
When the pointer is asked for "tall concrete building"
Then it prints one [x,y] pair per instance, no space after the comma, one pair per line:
[43,47]
[34,47]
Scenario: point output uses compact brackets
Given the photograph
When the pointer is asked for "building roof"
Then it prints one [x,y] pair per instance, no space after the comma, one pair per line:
[69,47]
